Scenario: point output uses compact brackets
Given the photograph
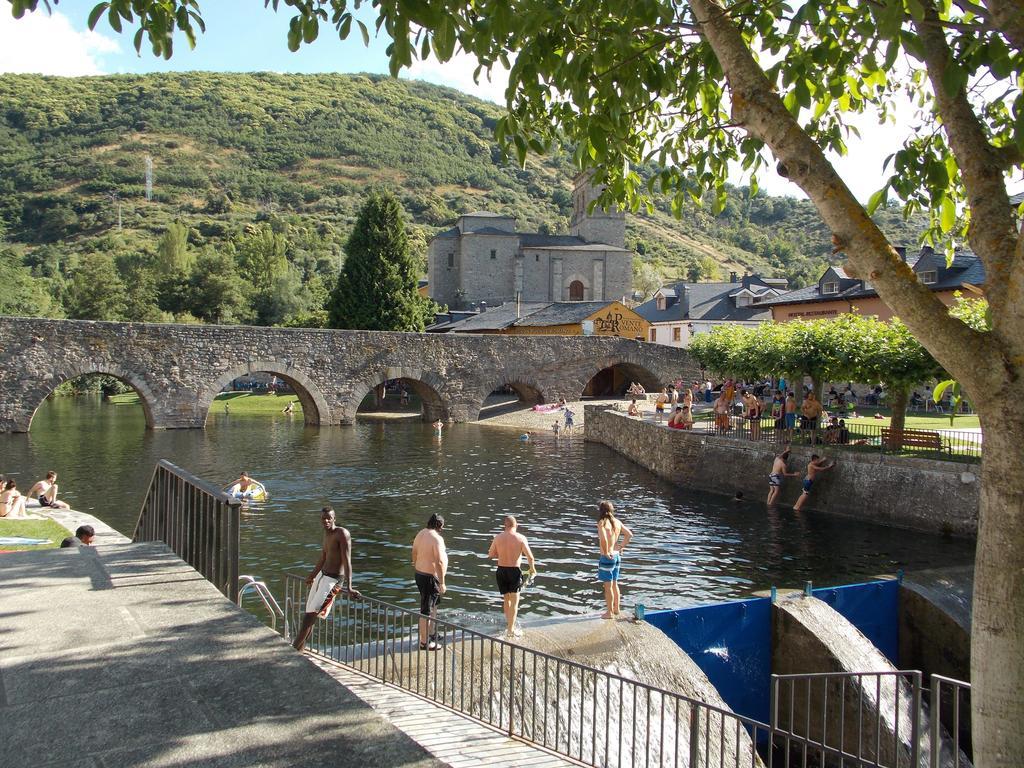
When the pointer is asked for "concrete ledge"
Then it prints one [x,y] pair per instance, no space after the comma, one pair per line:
[123,655]
[922,494]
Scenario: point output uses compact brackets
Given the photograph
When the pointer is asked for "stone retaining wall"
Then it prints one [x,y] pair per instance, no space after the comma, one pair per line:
[923,494]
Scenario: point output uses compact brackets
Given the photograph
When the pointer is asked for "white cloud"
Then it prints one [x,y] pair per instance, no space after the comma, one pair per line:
[458,74]
[46,44]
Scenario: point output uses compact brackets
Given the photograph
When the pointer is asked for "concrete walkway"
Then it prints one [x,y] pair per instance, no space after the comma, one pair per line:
[122,656]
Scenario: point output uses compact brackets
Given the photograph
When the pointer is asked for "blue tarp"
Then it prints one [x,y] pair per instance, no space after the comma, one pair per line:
[732,643]
[873,608]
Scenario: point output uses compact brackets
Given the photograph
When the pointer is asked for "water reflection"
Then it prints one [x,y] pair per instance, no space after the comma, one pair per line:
[385,478]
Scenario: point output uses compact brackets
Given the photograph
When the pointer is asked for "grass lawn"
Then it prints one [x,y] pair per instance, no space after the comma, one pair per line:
[915,419]
[33,529]
[237,402]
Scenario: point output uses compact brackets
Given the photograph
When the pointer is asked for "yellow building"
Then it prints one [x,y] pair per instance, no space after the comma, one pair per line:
[559,318]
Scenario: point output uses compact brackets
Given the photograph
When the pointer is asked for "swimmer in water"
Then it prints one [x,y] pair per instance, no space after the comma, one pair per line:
[438,426]
[525,436]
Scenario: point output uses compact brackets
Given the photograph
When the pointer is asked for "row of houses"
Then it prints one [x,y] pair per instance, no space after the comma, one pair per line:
[679,311]
[496,279]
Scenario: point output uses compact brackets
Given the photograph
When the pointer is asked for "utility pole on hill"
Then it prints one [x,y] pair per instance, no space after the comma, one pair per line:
[115,198]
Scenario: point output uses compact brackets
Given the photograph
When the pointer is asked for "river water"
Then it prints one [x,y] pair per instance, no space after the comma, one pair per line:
[385,478]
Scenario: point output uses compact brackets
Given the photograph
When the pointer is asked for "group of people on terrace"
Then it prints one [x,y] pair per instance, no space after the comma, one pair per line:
[332,574]
[746,408]
[13,503]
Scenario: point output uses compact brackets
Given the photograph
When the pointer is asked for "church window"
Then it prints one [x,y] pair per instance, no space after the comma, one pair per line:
[451,260]
[494,254]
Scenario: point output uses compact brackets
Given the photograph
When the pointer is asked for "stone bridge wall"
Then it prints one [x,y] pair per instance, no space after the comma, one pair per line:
[179,369]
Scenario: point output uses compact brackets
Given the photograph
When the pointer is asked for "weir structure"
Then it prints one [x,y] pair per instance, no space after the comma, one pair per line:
[177,370]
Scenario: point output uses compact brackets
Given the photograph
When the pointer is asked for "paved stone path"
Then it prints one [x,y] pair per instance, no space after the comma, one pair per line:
[122,656]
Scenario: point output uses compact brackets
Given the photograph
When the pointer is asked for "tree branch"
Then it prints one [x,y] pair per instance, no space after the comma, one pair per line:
[1007,16]
[992,233]
[967,354]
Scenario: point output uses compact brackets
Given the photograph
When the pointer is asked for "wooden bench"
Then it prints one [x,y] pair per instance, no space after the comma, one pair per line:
[911,438]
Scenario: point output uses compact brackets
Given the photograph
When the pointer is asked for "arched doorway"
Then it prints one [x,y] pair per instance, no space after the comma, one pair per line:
[576,291]
[265,387]
[613,380]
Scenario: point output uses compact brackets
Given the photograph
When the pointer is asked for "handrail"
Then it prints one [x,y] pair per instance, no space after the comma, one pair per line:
[247,583]
[590,715]
[197,520]
[825,709]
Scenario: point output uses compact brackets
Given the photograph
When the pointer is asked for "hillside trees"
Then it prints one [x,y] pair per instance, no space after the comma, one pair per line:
[377,288]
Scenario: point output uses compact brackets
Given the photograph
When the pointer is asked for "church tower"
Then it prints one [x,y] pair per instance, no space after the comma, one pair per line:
[601,226]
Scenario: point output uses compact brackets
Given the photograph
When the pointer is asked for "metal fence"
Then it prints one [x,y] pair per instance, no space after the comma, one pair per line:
[599,718]
[870,719]
[196,520]
[583,713]
[950,444]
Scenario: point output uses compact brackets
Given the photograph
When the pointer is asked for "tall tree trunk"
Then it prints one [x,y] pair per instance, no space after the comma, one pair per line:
[997,625]
[898,404]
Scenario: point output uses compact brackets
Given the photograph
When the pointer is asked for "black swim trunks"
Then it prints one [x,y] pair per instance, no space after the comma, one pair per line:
[430,592]
[509,579]
[44,502]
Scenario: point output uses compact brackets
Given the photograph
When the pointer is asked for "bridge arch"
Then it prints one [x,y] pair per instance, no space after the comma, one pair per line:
[427,385]
[525,385]
[315,410]
[612,376]
[43,388]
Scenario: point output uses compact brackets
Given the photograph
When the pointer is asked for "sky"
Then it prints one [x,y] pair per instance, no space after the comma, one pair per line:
[242,36]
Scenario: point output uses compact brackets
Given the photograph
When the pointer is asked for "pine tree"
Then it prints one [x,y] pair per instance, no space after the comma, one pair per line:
[377,288]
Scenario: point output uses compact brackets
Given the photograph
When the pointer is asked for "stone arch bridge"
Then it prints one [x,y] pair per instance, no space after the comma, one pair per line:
[178,370]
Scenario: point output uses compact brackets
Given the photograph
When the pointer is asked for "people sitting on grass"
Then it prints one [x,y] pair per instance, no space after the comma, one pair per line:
[45,491]
[12,503]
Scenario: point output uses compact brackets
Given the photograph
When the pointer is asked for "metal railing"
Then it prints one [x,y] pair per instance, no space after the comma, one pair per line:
[947,444]
[600,718]
[950,721]
[196,520]
[248,584]
[869,719]
[589,715]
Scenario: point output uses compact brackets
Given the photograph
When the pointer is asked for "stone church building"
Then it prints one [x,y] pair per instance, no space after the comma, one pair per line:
[484,259]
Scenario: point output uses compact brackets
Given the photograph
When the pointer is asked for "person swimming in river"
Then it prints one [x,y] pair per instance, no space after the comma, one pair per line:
[438,426]
[244,487]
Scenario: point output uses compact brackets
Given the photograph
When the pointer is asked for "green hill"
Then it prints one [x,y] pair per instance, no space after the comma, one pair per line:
[248,165]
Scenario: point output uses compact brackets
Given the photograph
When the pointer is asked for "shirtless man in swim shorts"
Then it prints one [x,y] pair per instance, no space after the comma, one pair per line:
[329,576]
[752,412]
[46,492]
[430,559]
[778,474]
[816,465]
[609,528]
[508,549]
[659,405]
